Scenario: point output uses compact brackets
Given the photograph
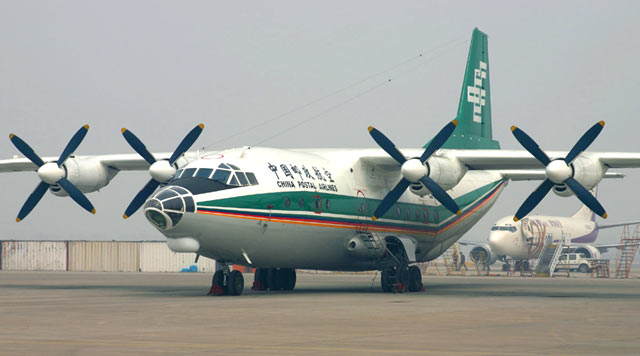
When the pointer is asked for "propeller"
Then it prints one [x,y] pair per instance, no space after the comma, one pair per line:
[413,170]
[161,171]
[52,173]
[559,171]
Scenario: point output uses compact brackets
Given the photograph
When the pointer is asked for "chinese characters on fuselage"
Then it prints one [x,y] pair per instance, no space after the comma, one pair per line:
[321,179]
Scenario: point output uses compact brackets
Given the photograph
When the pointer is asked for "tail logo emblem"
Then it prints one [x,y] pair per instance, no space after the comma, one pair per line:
[475,93]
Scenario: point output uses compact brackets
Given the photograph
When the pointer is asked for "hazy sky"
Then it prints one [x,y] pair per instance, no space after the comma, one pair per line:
[159,68]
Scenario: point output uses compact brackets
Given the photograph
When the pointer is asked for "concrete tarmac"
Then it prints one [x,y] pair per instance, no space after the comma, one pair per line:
[72,313]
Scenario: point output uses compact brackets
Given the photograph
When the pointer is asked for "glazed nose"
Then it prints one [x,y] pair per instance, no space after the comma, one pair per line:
[166,208]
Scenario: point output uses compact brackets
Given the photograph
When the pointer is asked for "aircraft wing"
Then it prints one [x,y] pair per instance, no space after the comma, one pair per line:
[522,160]
[538,174]
[120,162]
[470,243]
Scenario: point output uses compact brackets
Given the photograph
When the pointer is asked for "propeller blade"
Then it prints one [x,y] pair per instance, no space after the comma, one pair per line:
[33,199]
[533,199]
[391,198]
[141,197]
[585,197]
[75,141]
[186,143]
[138,146]
[439,140]
[76,195]
[440,195]
[530,145]
[386,145]
[584,142]
[26,150]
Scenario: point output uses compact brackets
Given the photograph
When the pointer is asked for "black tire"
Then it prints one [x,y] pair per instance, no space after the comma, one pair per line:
[525,266]
[584,268]
[403,277]
[217,279]
[289,279]
[235,283]
[415,279]
[386,281]
[505,267]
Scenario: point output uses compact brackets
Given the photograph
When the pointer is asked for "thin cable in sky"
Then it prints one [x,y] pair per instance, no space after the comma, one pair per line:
[405,62]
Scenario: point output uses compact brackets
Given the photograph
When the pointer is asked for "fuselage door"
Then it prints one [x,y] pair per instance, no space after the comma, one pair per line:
[363,212]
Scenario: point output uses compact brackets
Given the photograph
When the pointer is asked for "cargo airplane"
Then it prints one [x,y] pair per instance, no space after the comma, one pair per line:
[330,209]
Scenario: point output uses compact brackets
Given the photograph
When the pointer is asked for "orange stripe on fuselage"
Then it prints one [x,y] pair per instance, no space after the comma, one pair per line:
[353,226]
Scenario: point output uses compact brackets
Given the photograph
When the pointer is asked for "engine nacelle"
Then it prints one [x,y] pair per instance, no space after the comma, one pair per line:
[445,171]
[588,172]
[588,251]
[87,175]
[482,253]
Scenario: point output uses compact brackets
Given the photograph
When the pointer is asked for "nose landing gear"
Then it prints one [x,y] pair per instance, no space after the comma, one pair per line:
[227,282]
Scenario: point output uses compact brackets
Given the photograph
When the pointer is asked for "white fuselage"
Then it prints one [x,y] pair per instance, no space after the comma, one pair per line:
[308,204]
[524,239]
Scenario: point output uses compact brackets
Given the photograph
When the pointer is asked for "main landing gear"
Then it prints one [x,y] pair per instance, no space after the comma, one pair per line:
[397,275]
[274,279]
[227,282]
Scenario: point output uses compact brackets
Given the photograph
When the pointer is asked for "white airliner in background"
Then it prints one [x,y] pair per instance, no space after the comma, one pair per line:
[523,240]
[331,209]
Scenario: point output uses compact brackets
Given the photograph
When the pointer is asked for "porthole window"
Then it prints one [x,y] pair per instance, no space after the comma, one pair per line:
[287,202]
[327,204]
[399,212]
[301,202]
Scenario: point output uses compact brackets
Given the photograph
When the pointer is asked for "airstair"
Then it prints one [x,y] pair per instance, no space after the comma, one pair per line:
[548,259]
[627,251]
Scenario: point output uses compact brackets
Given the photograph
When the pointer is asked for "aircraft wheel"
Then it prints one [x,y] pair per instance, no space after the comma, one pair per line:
[525,266]
[260,279]
[217,287]
[289,278]
[415,279]
[403,279]
[235,283]
[386,281]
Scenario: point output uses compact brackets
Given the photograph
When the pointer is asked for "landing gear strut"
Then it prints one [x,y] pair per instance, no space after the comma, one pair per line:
[274,279]
[397,275]
[227,282]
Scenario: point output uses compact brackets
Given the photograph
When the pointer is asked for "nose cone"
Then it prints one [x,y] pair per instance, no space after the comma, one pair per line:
[166,208]
[499,241]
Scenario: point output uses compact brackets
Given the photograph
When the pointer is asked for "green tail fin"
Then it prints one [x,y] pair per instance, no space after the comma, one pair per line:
[474,109]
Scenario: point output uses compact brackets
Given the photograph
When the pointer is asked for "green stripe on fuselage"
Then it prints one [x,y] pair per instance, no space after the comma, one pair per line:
[305,201]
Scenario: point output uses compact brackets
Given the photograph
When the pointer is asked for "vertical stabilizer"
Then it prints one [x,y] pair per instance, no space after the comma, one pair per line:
[474,108]
[584,212]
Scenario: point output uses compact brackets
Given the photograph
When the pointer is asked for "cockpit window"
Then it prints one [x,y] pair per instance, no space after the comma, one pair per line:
[242,178]
[188,173]
[227,174]
[221,175]
[503,228]
[204,172]
[252,178]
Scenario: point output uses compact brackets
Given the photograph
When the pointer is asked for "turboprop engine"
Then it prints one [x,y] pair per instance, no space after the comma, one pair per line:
[445,171]
[483,255]
[586,171]
[566,176]
[87,175]
[55,174]
[417,171]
